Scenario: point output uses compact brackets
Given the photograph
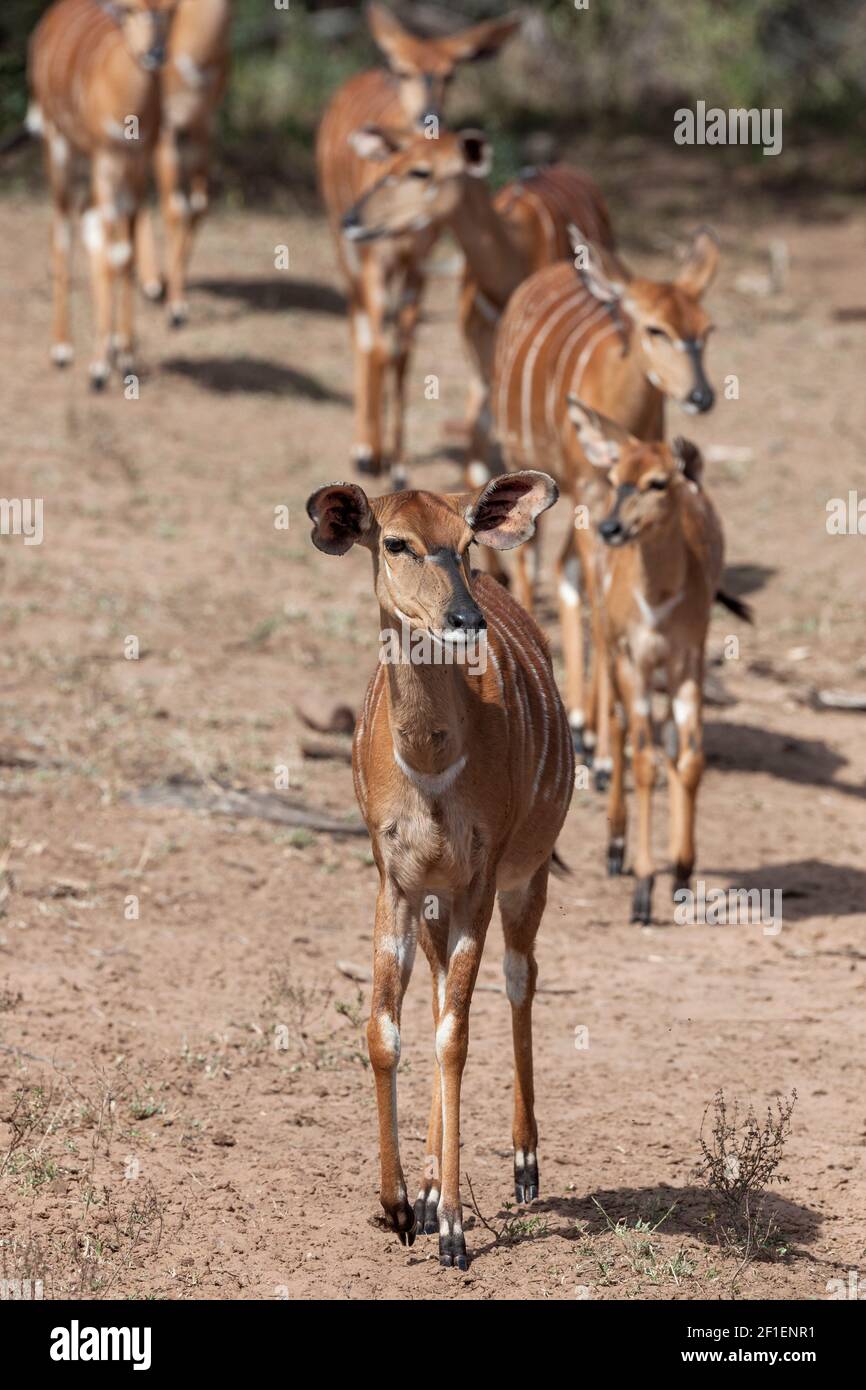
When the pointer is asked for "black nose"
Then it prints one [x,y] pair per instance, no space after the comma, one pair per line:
[702,398]
[467,618]
[610,528]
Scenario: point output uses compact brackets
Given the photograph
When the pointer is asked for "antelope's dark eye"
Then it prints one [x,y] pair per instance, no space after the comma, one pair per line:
[394,545]
[420,173]
[658,484]
[657,332]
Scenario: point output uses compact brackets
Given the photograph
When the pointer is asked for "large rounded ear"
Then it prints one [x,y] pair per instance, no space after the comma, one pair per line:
[341,517]
[477,153]
[601,273]
[482,40]
[601,439]
[688,459]
[502,513]
[388,33]
[376,142]
[701,264]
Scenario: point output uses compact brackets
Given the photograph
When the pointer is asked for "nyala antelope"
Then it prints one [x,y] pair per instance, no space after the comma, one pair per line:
[192,85]
[385,282]
[93,72]
[662,562]
[464,776]
[504,236]
[623,344]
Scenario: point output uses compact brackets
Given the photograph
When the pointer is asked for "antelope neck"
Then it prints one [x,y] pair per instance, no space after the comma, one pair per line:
[492,256]
[661,570]
[428,715]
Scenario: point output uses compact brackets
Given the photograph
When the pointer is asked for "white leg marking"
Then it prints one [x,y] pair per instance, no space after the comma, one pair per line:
[516,968]
[443,1036]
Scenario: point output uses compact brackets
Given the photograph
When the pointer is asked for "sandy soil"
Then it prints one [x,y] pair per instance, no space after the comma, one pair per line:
[187,1107]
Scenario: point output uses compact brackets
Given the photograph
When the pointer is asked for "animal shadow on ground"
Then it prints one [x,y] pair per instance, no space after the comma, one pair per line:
[740,580]
[690,1215]
[228,375]
[809,888]
[810,762]
[275,295]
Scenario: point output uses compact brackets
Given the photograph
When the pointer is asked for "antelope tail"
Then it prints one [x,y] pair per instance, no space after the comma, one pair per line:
[558,866]
[735,605]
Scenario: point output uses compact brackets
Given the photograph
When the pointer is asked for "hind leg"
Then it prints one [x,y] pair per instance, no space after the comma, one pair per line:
[521,910]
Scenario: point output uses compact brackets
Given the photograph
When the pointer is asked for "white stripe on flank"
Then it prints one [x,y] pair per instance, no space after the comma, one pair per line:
[583,361]
[538,341]
[588,317]
[530,669]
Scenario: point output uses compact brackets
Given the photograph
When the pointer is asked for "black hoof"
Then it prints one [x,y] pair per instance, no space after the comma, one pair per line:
[402,1220]
[98,383]
[615,858]
[452,1251]
[583,751]
[601,777]
[525,1179]
[682,876]
[176,320]
[367,464]
[426,1217]
[641,906]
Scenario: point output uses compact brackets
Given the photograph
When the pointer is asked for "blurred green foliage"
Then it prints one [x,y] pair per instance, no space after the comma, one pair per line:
[616,66]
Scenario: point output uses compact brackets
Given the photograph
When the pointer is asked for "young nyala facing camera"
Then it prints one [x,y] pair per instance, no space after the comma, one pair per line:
[662,567]
[464,775]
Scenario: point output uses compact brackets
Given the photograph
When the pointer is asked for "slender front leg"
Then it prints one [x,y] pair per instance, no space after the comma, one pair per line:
[407,321]
[371,357]
[117,187]
[58,158]
[643,761]
[100,282]
[571,629]
[470,917]
[686,775]
[521,911]
[181,173]
[434,943]
[622,691]
[394,952]
[146,258]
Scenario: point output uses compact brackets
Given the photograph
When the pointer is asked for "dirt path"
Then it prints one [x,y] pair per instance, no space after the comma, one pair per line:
[201,1122]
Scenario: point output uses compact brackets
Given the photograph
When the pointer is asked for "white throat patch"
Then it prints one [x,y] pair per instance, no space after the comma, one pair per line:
[431,783]
[653,616]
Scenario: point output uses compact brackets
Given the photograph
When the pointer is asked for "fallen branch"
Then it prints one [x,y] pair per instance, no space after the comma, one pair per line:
[324,752]
[218,800]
